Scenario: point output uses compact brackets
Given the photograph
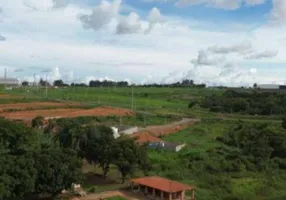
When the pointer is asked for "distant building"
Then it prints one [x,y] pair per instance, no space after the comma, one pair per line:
[155,142]
[9,81]
[268,86]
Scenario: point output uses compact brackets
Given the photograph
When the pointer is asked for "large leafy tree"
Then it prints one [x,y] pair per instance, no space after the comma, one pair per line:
[57,170]
[32,165]
[126,153]
[100,147]
[17,171]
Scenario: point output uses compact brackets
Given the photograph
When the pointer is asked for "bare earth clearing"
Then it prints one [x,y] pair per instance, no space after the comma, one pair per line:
[167,129]
[71,112]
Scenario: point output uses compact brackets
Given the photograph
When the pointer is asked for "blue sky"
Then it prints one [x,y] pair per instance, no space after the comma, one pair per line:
[229,42]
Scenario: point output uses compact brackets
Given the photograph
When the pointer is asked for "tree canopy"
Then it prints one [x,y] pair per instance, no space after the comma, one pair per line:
[31,164]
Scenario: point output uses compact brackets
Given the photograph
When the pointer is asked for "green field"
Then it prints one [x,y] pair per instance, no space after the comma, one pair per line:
[116,198]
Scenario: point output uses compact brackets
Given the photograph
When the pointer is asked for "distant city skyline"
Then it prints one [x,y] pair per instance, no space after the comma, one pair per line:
[233,43]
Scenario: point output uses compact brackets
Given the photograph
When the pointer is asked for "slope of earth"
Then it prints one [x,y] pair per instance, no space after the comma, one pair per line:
[72,112]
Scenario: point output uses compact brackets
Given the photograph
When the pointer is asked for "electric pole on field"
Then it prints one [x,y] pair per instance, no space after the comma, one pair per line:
[132,98]
[46,85]
[5,78]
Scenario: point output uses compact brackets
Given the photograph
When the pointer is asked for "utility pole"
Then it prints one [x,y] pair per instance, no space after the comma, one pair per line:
[132,98]
[5,78]
[46,85]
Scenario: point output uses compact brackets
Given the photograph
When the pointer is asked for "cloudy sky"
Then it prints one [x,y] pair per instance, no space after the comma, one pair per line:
[229,42]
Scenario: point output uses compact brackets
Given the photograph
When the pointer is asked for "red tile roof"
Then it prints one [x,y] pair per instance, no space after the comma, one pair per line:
[162,184]
[145,137]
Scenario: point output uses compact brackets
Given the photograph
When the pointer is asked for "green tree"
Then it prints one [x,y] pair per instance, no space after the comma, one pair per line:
[38,122]
[100,147]
[57,170]
[25,83]
[17,171]
[284,122]
[125,157]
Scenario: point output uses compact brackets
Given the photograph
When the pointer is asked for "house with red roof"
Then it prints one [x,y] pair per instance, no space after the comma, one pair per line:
[162,188]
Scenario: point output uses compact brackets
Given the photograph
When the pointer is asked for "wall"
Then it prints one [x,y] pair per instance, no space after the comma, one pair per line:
[129,131]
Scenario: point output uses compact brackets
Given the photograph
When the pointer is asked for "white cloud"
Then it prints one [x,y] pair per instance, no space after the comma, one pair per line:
[154,17]
[42,5]
[278,12]
[60,3]
[101,15]
[2,38]
[261,55]
[57,38]
[223,4]
[204,58]
[129,24]
[243,47]
[254,2]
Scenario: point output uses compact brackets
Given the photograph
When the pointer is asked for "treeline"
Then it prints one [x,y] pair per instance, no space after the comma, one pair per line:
[108,83]
[252,102]
[41,163]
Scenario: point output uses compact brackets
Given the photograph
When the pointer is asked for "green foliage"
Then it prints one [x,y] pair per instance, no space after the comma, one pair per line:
[57,170]
[284,122]
[31,165]
[253,103]
[37,122]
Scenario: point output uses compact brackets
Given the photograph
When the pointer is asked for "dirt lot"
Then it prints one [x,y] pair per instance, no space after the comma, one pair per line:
[71,112]
[33,105]
[170,128]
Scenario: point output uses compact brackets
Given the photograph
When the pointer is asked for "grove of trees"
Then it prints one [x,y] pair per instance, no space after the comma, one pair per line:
[43,162]
[253,103]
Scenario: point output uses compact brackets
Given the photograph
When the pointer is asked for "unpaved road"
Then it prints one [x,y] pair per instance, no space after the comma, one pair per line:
[105,195]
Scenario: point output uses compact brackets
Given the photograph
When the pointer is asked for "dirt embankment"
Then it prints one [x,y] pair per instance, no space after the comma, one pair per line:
[65,113]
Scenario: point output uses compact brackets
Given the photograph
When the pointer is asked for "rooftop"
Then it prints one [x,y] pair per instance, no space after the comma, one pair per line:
[162,184]
[145,137]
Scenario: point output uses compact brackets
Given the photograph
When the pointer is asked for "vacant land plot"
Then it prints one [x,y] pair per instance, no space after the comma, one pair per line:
[72,112]
[33,105]
[168,129]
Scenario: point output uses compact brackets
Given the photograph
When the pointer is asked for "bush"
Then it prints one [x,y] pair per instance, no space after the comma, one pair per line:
[93,189]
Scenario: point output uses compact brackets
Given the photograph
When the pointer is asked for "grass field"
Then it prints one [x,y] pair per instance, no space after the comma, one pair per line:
[116,198]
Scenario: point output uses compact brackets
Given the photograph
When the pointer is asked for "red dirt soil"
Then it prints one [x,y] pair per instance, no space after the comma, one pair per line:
[8,96]
[34,105]
[71,112]
[168,129]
